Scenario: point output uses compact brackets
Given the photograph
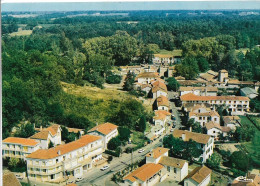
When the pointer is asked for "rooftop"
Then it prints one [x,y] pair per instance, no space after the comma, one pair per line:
[192,97]
[172,162]
[203,89]
[21,141]
[158,85]
[161,114]
[104,128]
[162,101]
[63,149]
[250,180]
[199,174]
[197,137]
[144,173]
[9,179]
[211,125]
[156,153]
[248,91]
[148,75]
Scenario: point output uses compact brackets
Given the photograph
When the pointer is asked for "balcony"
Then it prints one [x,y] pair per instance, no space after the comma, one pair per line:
[44,166]
[45,173]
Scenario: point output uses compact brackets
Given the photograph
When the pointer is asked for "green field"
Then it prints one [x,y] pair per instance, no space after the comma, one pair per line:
[256,120]
[174,52]
[243,50]
[21,33]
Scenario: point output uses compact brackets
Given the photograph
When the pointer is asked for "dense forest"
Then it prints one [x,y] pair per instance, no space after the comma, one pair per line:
[85,49]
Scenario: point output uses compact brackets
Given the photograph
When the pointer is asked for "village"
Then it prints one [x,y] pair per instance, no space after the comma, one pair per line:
[205,112]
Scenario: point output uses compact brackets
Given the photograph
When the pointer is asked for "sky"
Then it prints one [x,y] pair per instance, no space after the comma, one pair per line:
[48,5]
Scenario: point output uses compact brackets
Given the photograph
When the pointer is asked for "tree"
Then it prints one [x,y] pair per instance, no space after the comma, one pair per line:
[50,145]
[124,133]
[240,160]
[196,127]
[26,131]
[147,52]
[203,64]
[214,161]
[113,79]
[142,124]
[188,68]
[13,162]
[173,84]
[129,81]
[114,143]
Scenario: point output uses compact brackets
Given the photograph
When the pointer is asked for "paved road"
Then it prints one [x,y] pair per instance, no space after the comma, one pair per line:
[171,95]
[98,177]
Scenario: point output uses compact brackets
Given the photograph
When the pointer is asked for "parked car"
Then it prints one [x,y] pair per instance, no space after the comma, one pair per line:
[141,150]
[79,179]
[18,176]
[104,167]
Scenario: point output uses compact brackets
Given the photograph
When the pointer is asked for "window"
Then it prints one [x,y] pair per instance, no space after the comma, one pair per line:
[52,176]
[215,119]
[57,160]
[200,118]
[175,170]
[168,169]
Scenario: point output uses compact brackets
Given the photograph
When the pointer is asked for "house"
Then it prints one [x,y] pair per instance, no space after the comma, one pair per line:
[203,115]
[223,76]
[161,117]
[14,147]
[214,129]
[176,169]
[147,77]
[200,176]
[163,59]
[235,83]
[106,130]
[147,175]
[199,91]
[74,158]
[9,179]
[159,89]
[232,122]
[204,142]
[188,107]
[191,83]
[250,180]
[162,103]
[47,135]
[146,87]
[248,92]
[237,105]
[76,131]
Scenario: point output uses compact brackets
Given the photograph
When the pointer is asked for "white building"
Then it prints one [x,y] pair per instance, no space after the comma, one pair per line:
[159,89]
[106,130]
[147,77]
[214,129]
[71,159]
[232,122]
[163,59]
[237,105]
[161,117]
[47,135]
[200,176]
[248,92]
[14,147]
[199,91]
[204,142]
[162,103]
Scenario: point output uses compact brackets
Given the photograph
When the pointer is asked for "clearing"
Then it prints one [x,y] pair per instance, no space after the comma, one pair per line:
[174,52]
[21,33]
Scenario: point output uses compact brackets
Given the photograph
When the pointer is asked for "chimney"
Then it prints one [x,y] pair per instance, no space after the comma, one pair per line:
[183,136]
[97,124]
[34,126]
[40,128]
[190,129]
[59,152]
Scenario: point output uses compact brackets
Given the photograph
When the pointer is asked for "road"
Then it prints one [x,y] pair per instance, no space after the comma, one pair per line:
[171,95]
[98,177]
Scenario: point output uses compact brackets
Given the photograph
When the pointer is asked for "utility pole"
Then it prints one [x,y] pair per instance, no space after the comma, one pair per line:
[132,157]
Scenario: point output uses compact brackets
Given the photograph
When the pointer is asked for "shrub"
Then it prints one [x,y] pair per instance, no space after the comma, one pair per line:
[114,143]
[113,79]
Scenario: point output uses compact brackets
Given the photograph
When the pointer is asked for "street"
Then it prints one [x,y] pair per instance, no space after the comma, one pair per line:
[171,95]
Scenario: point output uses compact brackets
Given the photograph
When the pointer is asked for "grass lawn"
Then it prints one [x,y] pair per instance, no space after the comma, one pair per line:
[21,33]
[256,120]
[245,120]
[148,127]
[218,179]
[137,138]
[174,52]
[244,50]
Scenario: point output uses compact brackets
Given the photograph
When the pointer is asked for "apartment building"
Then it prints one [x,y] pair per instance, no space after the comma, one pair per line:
[163,59]
[106,130]
[147,77]
[199,91]
[237,105]
[72,159]
[204,142]
[14,147]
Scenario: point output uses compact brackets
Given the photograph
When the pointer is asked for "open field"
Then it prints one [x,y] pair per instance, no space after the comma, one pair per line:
[243,50]
[174,52]
[256,120]
[21,33]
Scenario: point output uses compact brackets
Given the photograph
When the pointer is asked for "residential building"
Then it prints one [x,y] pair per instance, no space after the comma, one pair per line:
[71,159]
[76,131]
[204,142]
[9,179]
[47,135]
[147,175]
[203,115]
[235,83]
[188,107]
[189,83]
[161,117]
[146,87]
[176,169]
[232,122]
[237,105]
[163,59]
[248,92]
[200,176]
[159,88]
[161,103]
[14,147]
[223,76]
[106,130]
[147,77]
[250,180]
[199,91]
[214,129]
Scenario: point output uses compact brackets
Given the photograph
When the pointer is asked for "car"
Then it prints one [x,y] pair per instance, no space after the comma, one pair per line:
[79,179]
[18,176]
[141,150]
[171,130]
[104,167]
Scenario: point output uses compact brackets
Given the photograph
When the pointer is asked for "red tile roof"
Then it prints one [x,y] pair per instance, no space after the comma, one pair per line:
[197,137]
[162,101]
[104,128]
[156,153]
[161,114]
[22,141]
[199,174]
[192,97]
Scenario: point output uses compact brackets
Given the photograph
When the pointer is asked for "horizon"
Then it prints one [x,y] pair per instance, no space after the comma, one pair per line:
[130,6]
